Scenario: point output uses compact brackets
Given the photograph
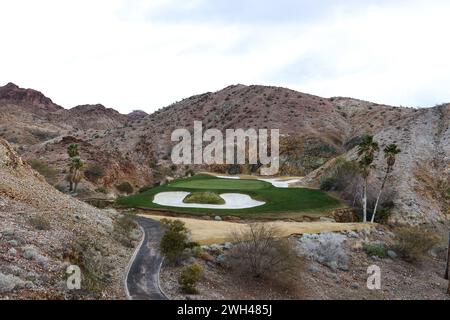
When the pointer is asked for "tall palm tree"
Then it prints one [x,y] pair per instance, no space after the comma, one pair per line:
[76,164]
[367,149]
[390,153]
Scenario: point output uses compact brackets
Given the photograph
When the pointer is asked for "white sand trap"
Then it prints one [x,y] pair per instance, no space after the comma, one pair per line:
[228,177]
[275,182]
[280,183]
[232,201]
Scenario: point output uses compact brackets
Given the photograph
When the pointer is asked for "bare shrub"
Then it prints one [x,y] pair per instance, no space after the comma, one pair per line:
[261,253]
[84,253]
[39,222]
[125,187]
[414,242]
[94,172]
[123,227]
[326,248]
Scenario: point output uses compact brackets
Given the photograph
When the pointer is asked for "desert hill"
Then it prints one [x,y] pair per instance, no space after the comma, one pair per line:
[136,148]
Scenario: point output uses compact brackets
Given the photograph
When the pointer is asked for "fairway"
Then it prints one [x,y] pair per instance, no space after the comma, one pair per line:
[279,202]
[222,184]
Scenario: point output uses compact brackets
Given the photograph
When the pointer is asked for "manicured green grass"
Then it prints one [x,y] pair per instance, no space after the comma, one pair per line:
[220,184]
[204,198]
[280,202]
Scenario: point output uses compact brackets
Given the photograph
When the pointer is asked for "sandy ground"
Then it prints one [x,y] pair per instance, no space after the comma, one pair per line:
[211,232]
[232,201]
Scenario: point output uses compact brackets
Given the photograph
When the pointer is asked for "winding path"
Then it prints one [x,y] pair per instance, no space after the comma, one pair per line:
[142,279]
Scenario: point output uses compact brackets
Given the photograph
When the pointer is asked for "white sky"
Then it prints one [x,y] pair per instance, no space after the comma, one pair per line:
[146,54]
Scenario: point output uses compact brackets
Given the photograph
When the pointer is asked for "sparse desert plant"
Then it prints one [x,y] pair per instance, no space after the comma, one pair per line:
[145,188]
[44,169]
[260,252]
[123,227]
[189,277]
[328,184]
[125,187]
[326,248]
[94,171]
[11,282]
[374,249]
[83,253]
[103,190]
[175,240]
[414,242]
[39,222]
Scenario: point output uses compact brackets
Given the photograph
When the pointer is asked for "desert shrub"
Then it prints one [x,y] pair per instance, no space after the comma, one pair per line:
[9,282]
[125,187]
[342,174]
[326,248]
[374,249]
[189,277]
[218,168]
[206,197]
[84,253]
[103,190]
[61,188]
[145,188]
[39,222]
[123,227]
[98,203]
[328,184]
[261,253]
[414,242]
[175,240]
[94,172]
[385,212]
[44,169]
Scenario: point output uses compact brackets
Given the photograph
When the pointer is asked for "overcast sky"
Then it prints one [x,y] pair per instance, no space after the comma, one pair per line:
[146,54]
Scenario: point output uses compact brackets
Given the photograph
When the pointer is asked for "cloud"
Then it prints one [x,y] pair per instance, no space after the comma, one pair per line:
[149,53]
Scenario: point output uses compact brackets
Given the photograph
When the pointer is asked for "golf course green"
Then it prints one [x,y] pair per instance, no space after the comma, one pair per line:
[279,202]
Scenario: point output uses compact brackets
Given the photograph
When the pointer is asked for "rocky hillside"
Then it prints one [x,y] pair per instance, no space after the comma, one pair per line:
[136,148]
[44,231]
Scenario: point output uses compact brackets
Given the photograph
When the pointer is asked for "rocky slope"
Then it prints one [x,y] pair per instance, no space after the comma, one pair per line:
[43,231]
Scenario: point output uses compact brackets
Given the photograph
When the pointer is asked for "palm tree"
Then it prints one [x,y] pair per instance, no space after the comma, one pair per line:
[72,150]
[390,153]
[75,172]
[366,150]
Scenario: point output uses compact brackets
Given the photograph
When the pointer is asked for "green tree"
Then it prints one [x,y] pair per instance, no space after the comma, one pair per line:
[175,239]
[390,153]
[367,150]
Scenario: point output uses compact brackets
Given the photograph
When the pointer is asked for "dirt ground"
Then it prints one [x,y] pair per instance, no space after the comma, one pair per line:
[210,231]
[400,280]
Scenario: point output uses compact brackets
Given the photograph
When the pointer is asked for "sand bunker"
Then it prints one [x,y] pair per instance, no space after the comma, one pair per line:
[275,182]
[232,201]
[280,183]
